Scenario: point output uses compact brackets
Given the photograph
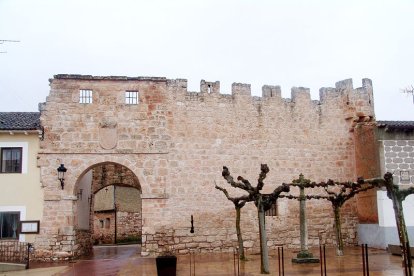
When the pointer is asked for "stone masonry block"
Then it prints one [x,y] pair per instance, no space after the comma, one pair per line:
[389,143]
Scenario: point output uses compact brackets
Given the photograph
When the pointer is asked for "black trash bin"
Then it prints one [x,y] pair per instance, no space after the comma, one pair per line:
[166,265]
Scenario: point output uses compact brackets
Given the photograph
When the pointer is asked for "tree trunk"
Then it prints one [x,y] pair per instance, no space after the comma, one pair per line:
[401,227]
[264,255]
[239,235]
[338,231]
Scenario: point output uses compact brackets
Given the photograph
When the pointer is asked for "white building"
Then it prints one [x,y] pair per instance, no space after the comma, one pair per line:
[21,197]
[396,155]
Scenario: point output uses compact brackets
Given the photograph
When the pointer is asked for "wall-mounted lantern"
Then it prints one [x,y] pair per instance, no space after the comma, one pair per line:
[61,175]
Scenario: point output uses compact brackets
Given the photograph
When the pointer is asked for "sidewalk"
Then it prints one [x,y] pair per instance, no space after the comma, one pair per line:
[127,261]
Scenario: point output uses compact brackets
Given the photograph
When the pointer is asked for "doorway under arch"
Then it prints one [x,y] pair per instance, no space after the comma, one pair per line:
[109,208]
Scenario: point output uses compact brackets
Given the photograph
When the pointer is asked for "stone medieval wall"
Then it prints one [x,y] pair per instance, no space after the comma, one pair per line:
[176,143]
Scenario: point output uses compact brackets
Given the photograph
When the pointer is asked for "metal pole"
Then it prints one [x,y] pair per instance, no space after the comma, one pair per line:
[408,250]
[324,259]
[238,261]
[366,257]
[283,263]
[278,258]
[190,264]
[234,261]
[363,259]
[320,256]
[115,209]
[29,245]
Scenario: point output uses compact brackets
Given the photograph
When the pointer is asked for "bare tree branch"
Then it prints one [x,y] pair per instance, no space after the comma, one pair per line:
[244,185]
[236,200]
[264,169]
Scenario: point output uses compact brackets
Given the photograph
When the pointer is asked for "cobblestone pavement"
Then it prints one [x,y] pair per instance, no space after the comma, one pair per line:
[126,260]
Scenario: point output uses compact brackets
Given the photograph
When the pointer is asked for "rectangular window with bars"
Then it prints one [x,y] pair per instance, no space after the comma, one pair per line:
[85,96]
[131,97]
[272,212]
[11,160]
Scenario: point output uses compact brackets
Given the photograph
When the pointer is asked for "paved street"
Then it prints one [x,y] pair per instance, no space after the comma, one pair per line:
[126,260]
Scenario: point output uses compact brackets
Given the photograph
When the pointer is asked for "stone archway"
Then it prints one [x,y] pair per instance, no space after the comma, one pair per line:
[108,209]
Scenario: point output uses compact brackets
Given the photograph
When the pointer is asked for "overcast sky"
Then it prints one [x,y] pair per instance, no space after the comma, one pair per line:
[289,43]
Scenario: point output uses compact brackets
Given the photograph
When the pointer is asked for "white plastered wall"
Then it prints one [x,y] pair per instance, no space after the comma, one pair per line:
[386,211]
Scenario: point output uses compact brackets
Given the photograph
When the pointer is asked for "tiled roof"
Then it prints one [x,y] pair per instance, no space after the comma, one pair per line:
[19,120]
[396,125]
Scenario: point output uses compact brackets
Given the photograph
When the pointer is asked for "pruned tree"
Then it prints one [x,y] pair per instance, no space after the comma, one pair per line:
[397,196]
[337,193]
[238,202]
[304,255]
[263,203]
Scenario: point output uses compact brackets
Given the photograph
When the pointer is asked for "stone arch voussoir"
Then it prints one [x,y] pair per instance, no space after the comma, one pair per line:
[90,162]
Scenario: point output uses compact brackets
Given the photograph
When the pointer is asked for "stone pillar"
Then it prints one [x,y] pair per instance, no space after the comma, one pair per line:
[304,256]
[303,224]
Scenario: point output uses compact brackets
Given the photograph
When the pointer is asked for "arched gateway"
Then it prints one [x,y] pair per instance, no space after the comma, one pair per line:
[170,145]
[72,217]
[108,205]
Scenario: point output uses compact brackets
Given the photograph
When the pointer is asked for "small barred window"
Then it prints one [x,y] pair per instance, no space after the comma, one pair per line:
[85,96]
[272,212]
[131,97]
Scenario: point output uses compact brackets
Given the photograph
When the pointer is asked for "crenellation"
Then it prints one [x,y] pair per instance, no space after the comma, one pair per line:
[327,92]
[240,89]
[209,87]
[300,94]
[344,85]
[177,86]
[269,91]
[367,84]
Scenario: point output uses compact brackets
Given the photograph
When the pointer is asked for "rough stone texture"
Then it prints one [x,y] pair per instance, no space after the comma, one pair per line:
[129,225]
[367,166]
[104,228]
[83,243]
[128,202]
[175,143]
[113,174]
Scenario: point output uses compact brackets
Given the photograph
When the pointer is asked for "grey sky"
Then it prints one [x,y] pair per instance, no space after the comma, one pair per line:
[288,43]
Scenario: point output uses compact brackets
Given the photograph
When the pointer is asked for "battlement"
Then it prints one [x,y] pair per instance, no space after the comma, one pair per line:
[344,87]
[239,89]
[209,87]
[300,93]
[361,98]
[269,91]
[352,100]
